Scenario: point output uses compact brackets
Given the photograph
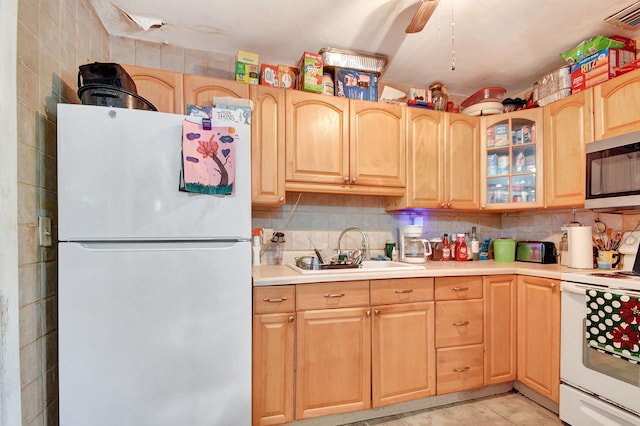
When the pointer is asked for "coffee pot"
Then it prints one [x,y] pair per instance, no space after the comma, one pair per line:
[413,248]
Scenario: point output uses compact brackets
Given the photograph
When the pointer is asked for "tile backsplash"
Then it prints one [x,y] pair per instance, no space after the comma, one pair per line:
[322,217]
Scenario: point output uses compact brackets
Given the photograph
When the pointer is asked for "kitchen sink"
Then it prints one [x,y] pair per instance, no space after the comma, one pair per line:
[366,266]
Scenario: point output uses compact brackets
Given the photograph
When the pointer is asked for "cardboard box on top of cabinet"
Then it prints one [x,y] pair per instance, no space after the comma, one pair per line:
[269,75]
[247,67]
[288,76]
[598,68]
[354,84]
[311,67]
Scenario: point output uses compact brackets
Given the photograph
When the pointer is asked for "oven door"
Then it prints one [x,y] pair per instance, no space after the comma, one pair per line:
[603,375]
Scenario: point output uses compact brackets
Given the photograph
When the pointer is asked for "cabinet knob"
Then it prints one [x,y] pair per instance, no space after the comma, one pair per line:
[377,311]
[484,206]
[368,313]
[443,205]
[281,199]
[353,180]
[449,205]
[291,318]
[346,179]
[552,285]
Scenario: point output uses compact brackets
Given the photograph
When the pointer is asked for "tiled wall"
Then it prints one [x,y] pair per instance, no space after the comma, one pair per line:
[54,38]
[321,218]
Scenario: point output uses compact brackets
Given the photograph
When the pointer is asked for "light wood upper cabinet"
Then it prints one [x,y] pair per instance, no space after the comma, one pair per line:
[500,328]
[338,145]
[377,144]
[317,139]
[425,161]
[568,127]
[200,89]
[267,145]
[162,88]
[617,106]
[511,159]
[462,147]
[539,335]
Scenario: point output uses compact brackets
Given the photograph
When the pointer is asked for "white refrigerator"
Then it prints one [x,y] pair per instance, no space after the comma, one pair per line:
[154,289]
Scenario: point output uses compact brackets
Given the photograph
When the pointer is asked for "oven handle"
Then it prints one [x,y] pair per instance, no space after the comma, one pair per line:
[577,288]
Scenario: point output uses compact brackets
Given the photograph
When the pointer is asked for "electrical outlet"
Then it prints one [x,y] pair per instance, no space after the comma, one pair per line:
[267,233]
[44,231]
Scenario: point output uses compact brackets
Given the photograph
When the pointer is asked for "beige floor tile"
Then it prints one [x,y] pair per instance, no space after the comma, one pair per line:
[520,411]
[459,414]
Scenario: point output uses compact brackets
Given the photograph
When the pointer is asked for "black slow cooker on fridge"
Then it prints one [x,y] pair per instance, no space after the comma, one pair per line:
[108,84]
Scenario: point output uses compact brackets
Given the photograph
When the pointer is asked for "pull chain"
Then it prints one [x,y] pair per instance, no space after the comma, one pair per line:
[453,40]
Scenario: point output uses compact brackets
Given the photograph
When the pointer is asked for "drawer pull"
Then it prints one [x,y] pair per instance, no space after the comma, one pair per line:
[459,324]
[334,295]
[276,300]
[459,288]
[403,291]
[461,370]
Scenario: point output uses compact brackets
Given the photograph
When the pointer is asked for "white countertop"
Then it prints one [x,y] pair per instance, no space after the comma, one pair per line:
[282,274]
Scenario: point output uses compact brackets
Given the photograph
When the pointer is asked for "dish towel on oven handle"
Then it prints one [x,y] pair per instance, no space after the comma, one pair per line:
[208,158]
[613,323]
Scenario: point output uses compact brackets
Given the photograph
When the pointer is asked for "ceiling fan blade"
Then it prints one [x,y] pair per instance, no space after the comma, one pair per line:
[421,17]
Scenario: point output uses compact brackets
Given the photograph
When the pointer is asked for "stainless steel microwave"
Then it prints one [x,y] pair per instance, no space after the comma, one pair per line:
[613,174]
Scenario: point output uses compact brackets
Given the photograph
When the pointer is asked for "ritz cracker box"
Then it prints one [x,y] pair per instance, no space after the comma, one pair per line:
[602,65]
[311,67]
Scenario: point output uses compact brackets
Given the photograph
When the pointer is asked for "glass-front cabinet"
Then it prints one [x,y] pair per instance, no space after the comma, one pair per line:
[511,160]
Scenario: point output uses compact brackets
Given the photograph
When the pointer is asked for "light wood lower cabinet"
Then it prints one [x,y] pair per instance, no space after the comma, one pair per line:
[459,329]
[273,355]
[539,335]
[500,328]
[333,361]
[403,350]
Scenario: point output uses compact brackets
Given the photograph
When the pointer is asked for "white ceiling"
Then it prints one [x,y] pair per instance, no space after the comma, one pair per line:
[507,43]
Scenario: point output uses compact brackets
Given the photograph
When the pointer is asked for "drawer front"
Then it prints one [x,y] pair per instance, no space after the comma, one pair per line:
[459,368]
[274,299]
[342,294]
[458,288]
[402,290]
[458,322]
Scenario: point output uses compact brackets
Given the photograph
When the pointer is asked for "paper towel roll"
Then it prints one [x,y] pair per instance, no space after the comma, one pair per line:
[580,247]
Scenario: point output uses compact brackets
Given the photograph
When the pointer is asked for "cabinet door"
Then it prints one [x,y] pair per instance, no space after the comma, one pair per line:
[461,159]
[162,88]
[377,143]
[617,106]
[333,361]
[403,353]
[511,161]
[539,335]
[425,161]
[267,145]
[200,89]
[316,139]
[273,349]
[568,126]
[500,329]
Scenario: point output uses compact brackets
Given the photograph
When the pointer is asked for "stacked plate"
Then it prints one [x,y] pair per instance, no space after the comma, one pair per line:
[484,108]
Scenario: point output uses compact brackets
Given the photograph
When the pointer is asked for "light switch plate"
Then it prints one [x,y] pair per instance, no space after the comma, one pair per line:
[44,231]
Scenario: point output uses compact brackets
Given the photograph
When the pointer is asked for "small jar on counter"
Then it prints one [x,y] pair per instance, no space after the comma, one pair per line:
[436,249]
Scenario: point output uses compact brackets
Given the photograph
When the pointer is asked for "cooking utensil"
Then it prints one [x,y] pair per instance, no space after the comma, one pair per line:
[318,255]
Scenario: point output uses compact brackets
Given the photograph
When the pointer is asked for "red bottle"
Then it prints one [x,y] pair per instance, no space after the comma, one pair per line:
[446,248]
[462,253]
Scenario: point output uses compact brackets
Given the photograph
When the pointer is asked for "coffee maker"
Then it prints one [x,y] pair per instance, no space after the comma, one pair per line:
[413,248]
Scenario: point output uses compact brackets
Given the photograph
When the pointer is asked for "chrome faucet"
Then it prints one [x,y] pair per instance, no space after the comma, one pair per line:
[364,246]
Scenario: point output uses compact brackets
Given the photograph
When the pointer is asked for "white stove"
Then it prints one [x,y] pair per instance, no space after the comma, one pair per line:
[602,277]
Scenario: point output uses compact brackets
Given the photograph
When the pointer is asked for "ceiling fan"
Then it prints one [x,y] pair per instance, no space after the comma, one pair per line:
[422,16]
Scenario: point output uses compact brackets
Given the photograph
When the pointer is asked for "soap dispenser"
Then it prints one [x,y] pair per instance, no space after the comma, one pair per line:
[275,249]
